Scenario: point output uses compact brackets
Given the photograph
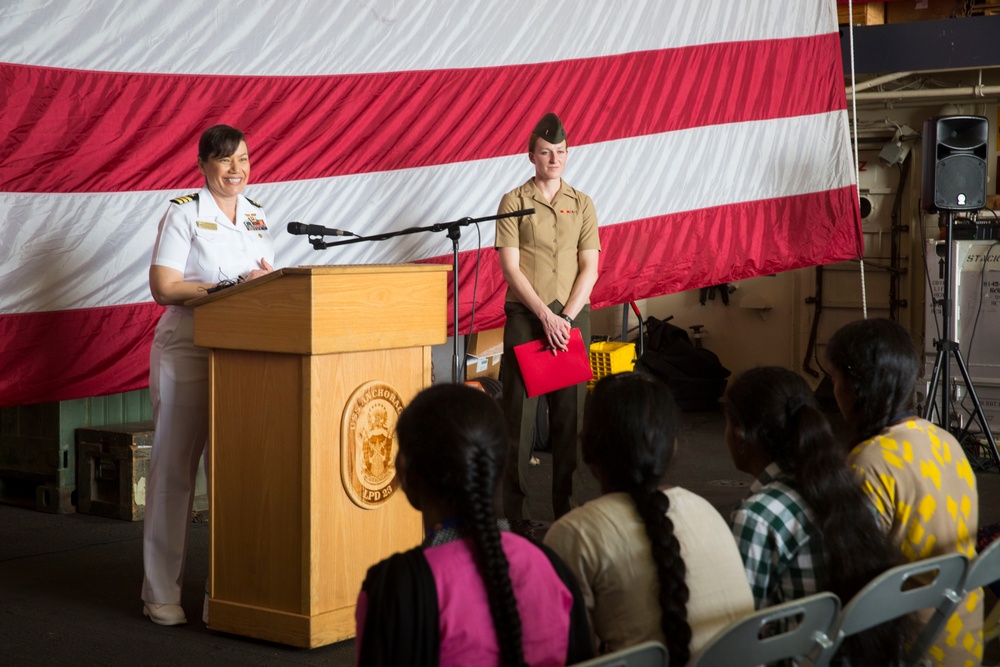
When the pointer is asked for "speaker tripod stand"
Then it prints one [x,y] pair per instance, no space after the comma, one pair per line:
[947,347]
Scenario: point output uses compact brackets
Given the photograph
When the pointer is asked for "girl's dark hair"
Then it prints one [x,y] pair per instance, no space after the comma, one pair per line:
[629,429]
[879,360]
[454,440]
[776,411]
[219,141]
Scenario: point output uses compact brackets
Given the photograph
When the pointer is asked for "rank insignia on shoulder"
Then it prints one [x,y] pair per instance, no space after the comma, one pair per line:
[185,199]
[255,203]
[206,225]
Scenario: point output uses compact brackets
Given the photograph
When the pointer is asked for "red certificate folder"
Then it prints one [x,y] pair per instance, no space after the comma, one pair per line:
[544,372]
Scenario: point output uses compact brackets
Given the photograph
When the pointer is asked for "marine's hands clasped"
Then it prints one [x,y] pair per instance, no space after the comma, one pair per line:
[557,331]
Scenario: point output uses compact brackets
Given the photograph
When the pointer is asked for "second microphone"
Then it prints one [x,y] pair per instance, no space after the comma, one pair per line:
[299,229]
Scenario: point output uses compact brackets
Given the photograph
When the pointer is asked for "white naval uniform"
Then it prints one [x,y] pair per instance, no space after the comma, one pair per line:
[196,238]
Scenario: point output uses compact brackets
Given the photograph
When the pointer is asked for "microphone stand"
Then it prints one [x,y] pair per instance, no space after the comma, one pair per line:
[454,229]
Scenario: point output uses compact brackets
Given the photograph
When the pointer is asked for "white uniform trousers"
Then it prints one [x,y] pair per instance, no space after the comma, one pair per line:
[178,389]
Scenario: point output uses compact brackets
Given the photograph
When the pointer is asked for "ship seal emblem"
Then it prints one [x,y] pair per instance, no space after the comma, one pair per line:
[368,444]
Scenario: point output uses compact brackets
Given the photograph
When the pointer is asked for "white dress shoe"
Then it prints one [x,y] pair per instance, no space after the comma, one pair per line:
[164,614]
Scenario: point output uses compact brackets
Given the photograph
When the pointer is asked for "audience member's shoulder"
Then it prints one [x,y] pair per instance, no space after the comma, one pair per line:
[606,509]
[687,506]
[680,496]
[389,569]
[775,498]
[522,551]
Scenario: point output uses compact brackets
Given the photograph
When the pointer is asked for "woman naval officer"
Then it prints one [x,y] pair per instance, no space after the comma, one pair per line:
[210,237]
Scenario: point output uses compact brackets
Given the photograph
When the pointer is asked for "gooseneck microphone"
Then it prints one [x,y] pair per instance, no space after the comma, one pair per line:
[299,229]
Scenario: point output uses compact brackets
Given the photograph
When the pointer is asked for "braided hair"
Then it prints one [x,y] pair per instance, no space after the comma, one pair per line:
[776,411]
[879,364]
[453,438]
[628,436]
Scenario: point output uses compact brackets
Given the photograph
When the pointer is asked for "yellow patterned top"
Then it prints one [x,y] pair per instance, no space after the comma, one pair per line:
[923,487]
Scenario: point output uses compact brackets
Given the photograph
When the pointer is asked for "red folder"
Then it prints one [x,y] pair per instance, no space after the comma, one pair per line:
[544,372]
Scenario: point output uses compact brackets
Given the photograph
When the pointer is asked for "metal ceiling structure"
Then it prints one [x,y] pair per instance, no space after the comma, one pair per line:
[917,62]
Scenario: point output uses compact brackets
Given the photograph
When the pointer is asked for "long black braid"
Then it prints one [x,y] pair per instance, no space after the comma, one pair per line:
[480,517]
[652,506]
[454,440]
[629,435]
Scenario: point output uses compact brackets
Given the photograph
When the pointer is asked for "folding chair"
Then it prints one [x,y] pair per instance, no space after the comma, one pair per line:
[646,654]
[893,594]
[787,630]
[983,571]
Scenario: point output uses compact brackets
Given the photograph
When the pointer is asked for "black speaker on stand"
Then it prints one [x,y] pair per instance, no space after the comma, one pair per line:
[954,179]
[954,163]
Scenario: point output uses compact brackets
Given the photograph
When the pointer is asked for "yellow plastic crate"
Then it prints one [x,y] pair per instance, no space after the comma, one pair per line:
[610,358]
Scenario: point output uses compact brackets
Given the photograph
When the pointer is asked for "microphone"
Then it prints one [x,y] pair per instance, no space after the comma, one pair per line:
[299,228]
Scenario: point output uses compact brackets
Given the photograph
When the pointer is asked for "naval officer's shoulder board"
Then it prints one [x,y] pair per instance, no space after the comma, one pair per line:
[252,202]
[185,199]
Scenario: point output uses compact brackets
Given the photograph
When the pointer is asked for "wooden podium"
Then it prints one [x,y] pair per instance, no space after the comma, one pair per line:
[309,369]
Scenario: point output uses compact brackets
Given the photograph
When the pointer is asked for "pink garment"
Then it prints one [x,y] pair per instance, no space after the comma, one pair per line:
[466,626]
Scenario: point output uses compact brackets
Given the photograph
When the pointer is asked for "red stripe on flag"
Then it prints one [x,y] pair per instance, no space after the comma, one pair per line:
[674,253]
[86,131]
[69,354]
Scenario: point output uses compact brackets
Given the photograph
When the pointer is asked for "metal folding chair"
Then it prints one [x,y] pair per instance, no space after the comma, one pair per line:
[788,630]
[646,654]
[983,570]
[896,593]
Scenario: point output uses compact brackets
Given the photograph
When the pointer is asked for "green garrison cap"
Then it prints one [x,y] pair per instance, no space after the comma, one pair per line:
[550,128]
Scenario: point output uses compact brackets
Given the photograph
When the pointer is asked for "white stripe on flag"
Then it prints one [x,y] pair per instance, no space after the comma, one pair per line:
[318,37]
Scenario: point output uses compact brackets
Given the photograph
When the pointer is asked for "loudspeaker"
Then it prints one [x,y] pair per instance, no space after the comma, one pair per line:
[954,163]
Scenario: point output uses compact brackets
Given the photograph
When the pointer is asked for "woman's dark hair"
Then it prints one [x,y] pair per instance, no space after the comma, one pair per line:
[219,141]
[629,429]
[879,360]
[454,440]
[776,411]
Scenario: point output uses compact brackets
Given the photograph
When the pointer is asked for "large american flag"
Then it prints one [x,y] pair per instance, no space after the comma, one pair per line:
[712,136]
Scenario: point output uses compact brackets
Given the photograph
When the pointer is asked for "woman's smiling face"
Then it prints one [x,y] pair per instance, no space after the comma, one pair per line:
[227,175]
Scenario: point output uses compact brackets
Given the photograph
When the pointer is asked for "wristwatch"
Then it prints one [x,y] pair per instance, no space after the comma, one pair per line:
[567,318]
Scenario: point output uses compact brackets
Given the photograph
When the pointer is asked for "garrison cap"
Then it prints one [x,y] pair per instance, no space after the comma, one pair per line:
[550,128]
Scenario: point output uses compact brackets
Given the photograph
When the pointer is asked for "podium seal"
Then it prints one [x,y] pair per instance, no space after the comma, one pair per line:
[368,444]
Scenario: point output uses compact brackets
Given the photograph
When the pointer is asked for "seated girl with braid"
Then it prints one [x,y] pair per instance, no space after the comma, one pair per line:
[473,593]
[653,562]
[806,525]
